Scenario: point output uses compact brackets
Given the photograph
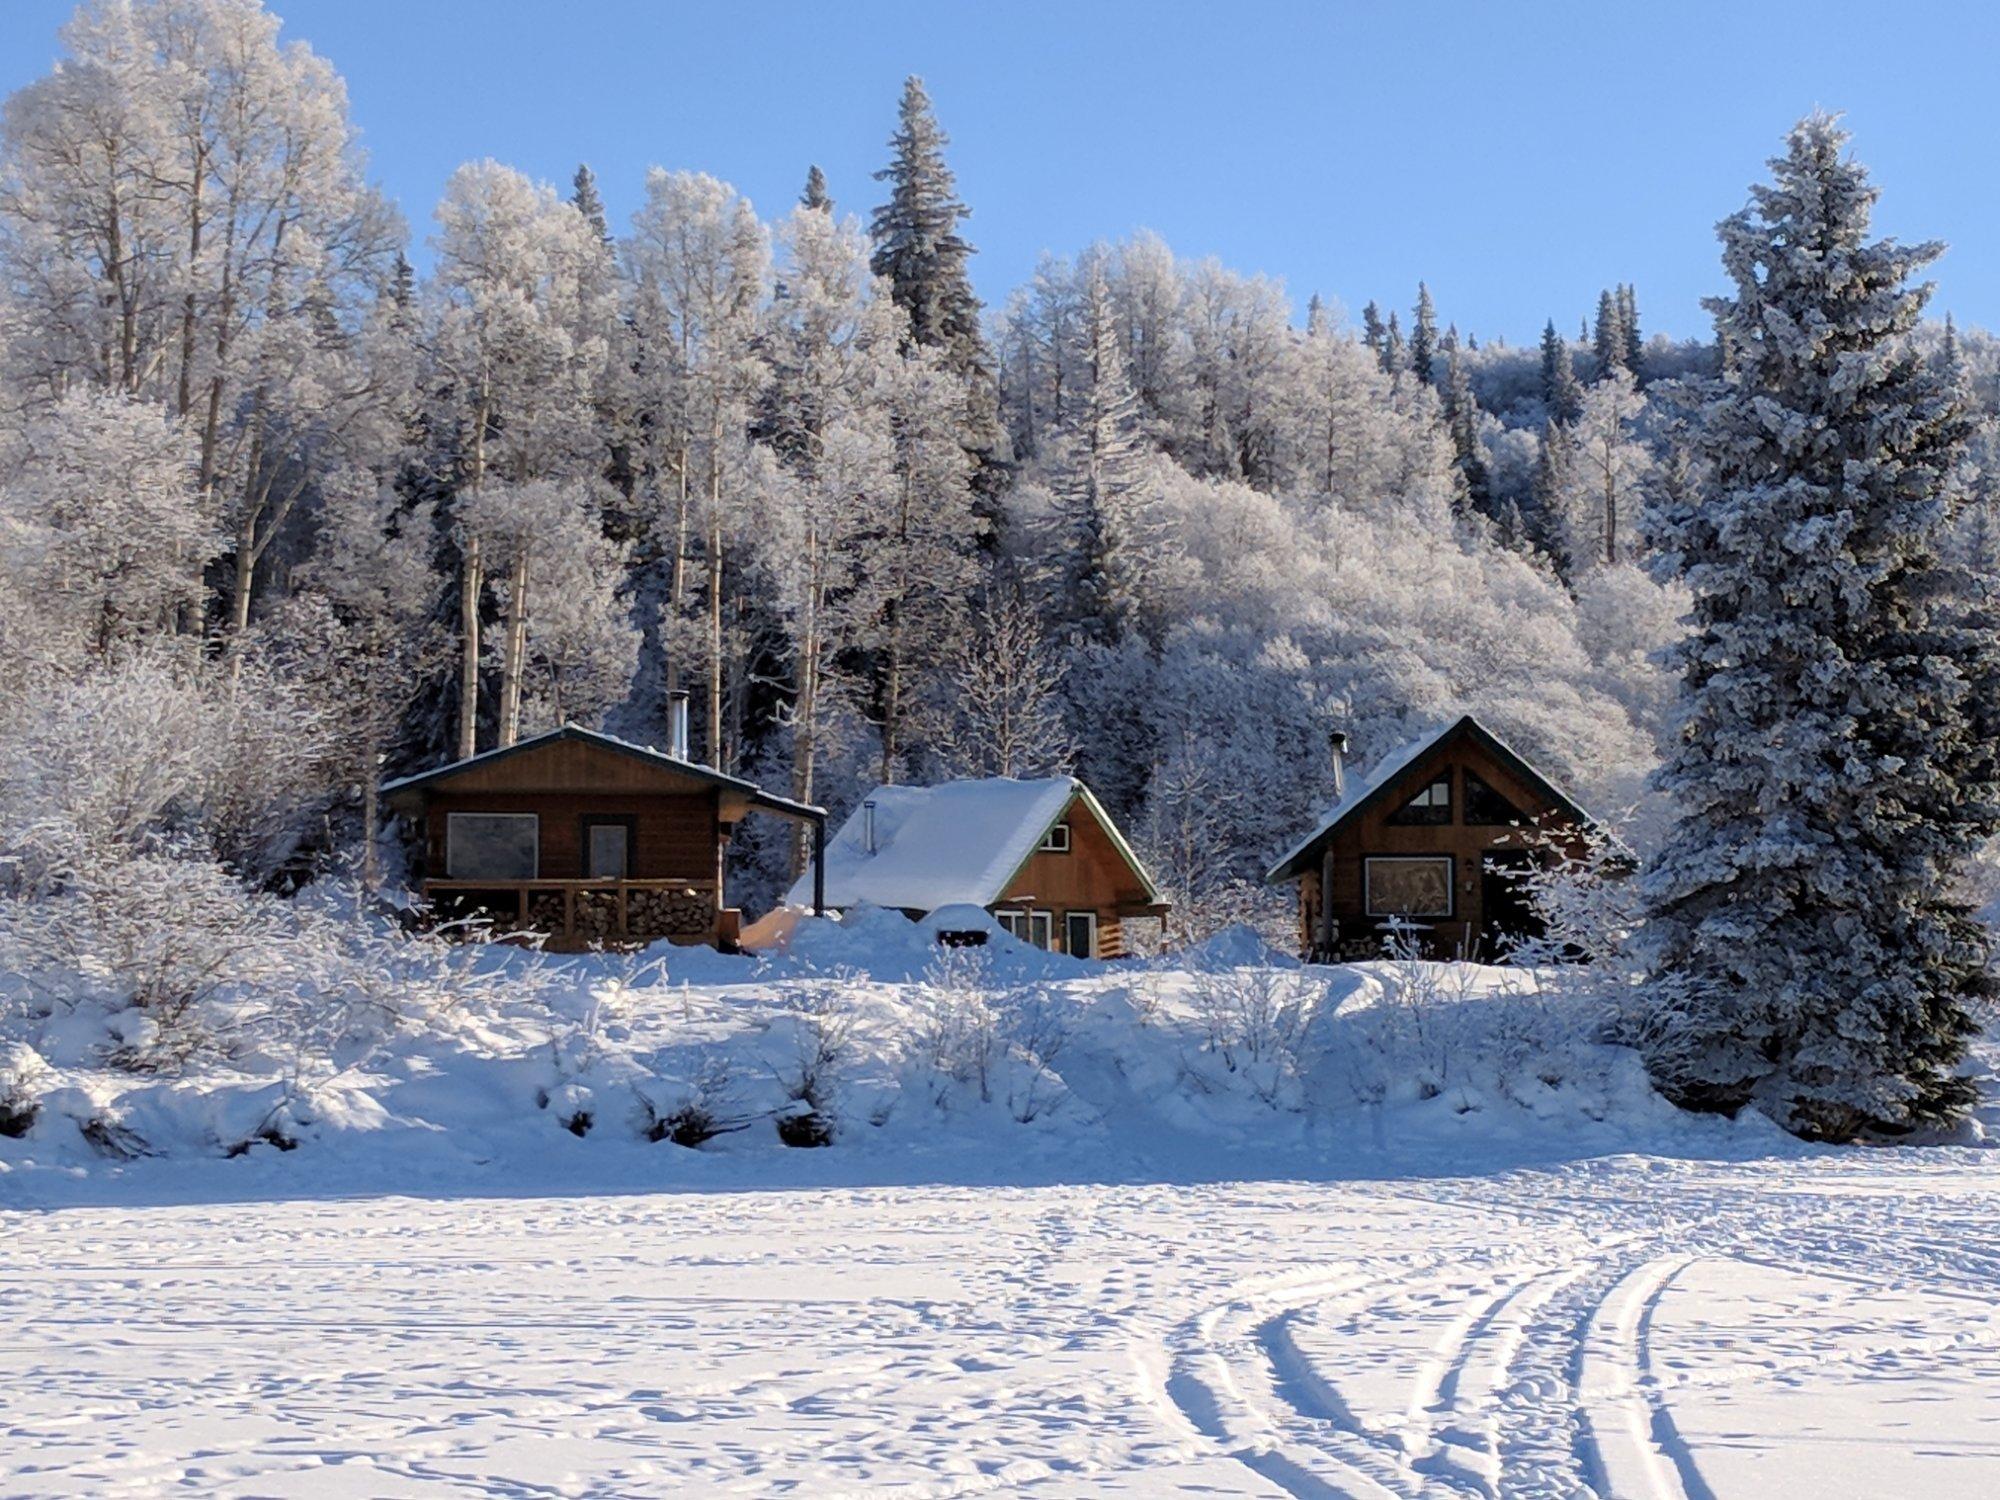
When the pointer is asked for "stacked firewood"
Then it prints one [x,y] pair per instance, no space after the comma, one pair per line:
[545,911]
[669,914]
[596,915]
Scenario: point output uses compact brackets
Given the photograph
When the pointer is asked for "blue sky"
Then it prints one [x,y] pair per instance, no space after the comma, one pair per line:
[1518,157]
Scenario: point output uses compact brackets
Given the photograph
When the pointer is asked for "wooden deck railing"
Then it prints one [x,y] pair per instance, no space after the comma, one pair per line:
[578,913]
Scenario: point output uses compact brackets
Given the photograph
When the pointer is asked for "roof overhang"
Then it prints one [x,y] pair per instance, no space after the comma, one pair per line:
[410,788]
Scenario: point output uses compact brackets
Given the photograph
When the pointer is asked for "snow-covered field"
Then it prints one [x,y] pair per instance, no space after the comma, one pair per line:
[1434,1241]
[1632,1326]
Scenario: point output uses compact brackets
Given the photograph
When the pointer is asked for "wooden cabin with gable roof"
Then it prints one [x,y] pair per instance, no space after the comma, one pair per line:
[1433,841]
[581,838]
[1043,857]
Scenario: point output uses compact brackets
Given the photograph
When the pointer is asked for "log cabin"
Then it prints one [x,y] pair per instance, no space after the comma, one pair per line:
[1043,857]
[1432,842]
[580,839]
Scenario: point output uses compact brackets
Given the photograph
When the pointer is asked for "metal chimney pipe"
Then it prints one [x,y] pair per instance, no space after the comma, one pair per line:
[1337,742]
[677,724]
[868,826]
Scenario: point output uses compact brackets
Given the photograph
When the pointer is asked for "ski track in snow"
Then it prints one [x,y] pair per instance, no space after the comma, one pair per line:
[1601,1328]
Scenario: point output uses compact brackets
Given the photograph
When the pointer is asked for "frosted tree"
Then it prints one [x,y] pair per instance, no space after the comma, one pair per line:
[1003,708]
[1562,396]
[187,221]
[518,341]
[372,570]
[832,342]
[543,541]
[1606,473]
[1098,474]
[702,261]
[917,564]
[1423,336]
[103,529]
[1394,356]
[1345,443]
[1836,761]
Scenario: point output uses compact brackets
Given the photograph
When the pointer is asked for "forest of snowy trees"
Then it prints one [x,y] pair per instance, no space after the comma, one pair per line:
[281,518]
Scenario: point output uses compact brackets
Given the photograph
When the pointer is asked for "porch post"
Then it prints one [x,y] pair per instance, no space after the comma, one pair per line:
[819,866]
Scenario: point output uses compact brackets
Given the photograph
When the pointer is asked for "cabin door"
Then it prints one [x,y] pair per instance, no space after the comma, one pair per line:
[1080,934]
[607,848]
[1506,915]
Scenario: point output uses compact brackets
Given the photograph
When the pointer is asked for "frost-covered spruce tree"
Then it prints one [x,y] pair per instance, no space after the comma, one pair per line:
[1561,393]
[1424,336]
[1836,762]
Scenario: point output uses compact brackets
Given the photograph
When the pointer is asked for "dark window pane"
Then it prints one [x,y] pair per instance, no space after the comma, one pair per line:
[491,846]
[1486,808]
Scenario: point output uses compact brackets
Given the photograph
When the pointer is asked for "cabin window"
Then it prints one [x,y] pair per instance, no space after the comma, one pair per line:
[1056,840]
[607,848]
[1487,808]
[1080,934]
[492,846]
[1408,886]
[1035,928]
[1429,807]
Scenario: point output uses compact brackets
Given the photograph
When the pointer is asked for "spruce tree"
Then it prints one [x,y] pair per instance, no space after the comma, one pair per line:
[1840,691]
[1461,413]
[1561,394]
[1423,336]
[1392,347]
[815,195]
[1609,338]
[918,248]
[1628,322]
[1374,333]
[1550,487]
[588,202]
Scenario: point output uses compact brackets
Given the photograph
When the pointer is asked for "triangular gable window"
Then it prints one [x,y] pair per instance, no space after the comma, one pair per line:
[1429,807]
[1486,808]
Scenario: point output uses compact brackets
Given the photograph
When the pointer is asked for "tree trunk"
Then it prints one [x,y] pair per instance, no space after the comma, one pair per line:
[471,583]
[516,648]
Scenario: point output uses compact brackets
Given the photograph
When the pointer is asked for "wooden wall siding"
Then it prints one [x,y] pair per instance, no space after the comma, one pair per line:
[1093,876]
[572,766]
[1373,834]
[677,837]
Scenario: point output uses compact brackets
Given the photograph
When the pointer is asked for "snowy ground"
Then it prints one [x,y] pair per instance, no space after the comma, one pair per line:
[1427,1244]
[1632,1326]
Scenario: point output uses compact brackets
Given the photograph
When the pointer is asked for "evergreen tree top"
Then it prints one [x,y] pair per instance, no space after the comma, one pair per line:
[589,202]
[815,194]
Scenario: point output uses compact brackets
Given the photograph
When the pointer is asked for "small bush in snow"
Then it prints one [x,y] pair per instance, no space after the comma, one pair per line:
[707,1109]
[1259,1021]
[973,1033]
[822,1024]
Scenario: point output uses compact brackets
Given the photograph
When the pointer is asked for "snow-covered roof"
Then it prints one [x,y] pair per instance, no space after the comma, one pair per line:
[768,800]
[959,843]
[1362,790]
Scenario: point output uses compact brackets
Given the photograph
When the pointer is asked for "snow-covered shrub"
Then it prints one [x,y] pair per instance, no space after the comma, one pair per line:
[973,1033]
[957,1030]
[1259,1022]
[708,1106]
[821,1023]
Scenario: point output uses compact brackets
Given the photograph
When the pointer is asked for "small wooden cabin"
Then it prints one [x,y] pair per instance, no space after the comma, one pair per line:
[1042,856]
[582,839]
[1433,841]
